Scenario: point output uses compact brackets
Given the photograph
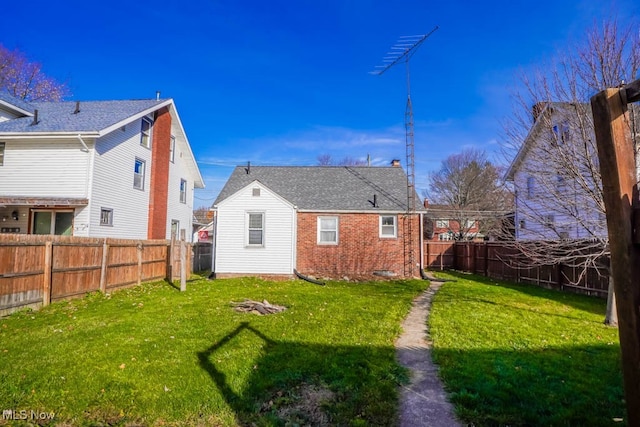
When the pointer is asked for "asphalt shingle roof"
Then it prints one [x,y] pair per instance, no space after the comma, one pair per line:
[16,102]
[327,187]
[94,116]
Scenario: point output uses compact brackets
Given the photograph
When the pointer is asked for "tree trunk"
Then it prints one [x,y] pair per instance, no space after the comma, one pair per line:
[611,318]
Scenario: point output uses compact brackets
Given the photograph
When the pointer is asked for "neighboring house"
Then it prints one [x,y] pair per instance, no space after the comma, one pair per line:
[121,169]
[553,200]
[442,223]
[323,221]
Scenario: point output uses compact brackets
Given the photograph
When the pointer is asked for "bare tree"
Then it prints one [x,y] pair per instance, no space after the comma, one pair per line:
[470,190]
[550,136]
[327,160]
[25,80]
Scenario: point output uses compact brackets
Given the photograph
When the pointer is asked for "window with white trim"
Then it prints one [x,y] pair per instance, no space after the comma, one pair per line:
[172,149]
[471,223]
[442,223]
[388,226]
[138,174]
[183,191]
[255,229]
[106,216]
[145,132]
[1,153]
[328,230]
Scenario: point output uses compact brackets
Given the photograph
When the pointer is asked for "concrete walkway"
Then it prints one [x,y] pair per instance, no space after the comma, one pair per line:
[423,402]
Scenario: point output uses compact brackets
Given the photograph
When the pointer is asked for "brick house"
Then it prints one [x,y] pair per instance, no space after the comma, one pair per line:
[442,223]
[322,221]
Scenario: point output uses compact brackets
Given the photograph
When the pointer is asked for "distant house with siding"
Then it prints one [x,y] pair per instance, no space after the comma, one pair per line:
[323,221]
[121,169]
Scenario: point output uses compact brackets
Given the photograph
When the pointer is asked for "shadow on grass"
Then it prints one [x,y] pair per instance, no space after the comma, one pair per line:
[591,304]
[558,386]
[306,384]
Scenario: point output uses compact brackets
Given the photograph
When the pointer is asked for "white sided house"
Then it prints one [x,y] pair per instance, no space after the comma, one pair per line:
[256,233]
[121,169]
[556,177]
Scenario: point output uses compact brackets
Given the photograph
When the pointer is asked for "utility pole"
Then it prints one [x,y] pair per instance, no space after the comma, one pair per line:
[403,50]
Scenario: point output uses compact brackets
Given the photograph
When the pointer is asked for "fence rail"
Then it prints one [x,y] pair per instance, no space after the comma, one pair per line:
[38,269]
[493,259]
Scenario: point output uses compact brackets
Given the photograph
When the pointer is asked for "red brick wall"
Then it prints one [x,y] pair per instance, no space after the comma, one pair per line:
[360,250]
[159,187]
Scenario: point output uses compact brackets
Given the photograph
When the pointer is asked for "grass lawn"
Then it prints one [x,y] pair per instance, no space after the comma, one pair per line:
[517,355]
[151,355]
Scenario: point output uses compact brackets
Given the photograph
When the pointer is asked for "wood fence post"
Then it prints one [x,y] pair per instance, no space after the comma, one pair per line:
[616,152]
[486,259]
[170,248]
[103,267]
[48,266]
[183,261]
[139,250]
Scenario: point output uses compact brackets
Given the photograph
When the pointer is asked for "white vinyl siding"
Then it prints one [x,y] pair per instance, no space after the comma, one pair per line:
[183,212]
[112,186]
[233,254]
[45,169]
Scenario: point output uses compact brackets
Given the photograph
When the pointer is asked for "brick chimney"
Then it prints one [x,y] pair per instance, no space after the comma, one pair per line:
[426,202]
[395,163]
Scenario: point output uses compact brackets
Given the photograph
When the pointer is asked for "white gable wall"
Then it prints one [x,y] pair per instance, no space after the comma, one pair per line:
[44,168]
[176,210]
[112,185]
[232,255]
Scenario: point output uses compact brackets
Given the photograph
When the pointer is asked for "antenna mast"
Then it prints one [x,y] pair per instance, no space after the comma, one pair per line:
[403,50]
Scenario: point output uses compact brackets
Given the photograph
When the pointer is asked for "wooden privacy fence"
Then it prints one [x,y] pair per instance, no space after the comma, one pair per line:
[492,259]
[39,269]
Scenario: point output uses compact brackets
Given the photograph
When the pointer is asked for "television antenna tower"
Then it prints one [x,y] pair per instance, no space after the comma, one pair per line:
[403,50]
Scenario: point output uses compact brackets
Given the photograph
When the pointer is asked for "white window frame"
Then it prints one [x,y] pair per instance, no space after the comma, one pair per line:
[183,191]
[471,223]
[393,227]
[106,217]
[249,229]
[442,223]
[172,149]
[336,230]
[146,132]
[138,177]
[2,150]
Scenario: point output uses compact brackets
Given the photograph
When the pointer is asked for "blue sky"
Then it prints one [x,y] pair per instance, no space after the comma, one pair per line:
[281,82]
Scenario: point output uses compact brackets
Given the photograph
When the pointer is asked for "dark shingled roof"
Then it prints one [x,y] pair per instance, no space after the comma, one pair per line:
[324,188]
[94,116]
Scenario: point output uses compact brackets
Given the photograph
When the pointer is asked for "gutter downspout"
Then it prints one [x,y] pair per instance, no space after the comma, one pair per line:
[421,240]
[215,246]
[86,148]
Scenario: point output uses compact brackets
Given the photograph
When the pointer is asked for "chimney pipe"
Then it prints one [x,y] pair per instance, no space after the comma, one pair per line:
[157,95]
[35,118]
[77,110]
[248,168]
